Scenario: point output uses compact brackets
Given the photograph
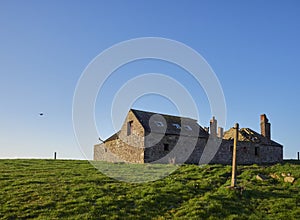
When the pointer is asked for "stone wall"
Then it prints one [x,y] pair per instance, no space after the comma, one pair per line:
[185,152]
[102,153]
[171,149]
[136,138]
[249,153]
[127,148]
[118,151]
[134,145]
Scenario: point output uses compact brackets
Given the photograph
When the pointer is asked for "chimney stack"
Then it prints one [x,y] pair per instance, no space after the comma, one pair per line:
[265,126]
[220,132]
[213,127]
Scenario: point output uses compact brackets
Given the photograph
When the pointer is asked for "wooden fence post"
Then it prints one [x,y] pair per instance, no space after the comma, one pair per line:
[234,164]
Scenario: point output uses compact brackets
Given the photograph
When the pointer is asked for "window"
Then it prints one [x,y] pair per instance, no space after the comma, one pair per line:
[129,127]
[105,150]
[176,125]
[187,127]
[166,147]
[256,151]
[159,123]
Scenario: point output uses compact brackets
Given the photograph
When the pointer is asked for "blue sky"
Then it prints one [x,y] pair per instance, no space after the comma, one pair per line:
[252,46]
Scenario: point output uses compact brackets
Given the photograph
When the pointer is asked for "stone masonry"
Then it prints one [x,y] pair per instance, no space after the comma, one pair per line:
[147,137]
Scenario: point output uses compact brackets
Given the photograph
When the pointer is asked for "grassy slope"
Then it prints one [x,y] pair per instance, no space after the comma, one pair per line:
[49,189]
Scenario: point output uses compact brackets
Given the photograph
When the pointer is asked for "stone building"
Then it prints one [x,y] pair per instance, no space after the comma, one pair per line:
[158,138]
[252,147]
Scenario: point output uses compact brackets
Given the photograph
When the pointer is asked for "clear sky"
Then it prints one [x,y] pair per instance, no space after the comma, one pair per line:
[253,47]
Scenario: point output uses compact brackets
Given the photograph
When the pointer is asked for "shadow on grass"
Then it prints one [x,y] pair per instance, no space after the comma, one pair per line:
[135,173]
[297,162]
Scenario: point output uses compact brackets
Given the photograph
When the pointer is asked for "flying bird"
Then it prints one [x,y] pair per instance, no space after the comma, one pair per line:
[41,114]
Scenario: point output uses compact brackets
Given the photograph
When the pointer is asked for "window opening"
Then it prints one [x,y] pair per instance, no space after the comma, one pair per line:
[176,125]
[159,123]
[166,147]
[129,127]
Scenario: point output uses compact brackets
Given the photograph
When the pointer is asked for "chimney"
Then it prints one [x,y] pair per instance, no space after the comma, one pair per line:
[220,132]
[265,126]
[213,127]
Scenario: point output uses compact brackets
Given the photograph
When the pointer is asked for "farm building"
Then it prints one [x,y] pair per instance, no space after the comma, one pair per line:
[148,137]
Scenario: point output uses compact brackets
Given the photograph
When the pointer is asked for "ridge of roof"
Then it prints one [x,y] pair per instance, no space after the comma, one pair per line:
[162,114]
[172,122]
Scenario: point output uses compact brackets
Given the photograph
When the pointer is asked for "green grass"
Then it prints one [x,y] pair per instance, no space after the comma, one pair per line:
[68,189]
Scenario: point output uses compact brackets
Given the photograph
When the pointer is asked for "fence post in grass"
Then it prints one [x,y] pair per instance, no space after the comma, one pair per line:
[234,165]
[54,155]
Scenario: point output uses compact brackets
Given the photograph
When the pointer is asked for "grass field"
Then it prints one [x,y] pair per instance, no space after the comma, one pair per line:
[68,189]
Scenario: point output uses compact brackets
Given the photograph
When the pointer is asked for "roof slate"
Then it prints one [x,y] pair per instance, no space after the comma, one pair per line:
[174,125]
[248,135]
[113,137]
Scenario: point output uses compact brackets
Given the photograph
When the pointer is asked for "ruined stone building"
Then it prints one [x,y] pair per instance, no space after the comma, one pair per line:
[147,137]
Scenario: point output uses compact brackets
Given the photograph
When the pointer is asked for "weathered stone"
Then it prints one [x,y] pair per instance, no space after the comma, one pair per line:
[289,179]
[274,176]
[265,127]
[141,140]
[261,177]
